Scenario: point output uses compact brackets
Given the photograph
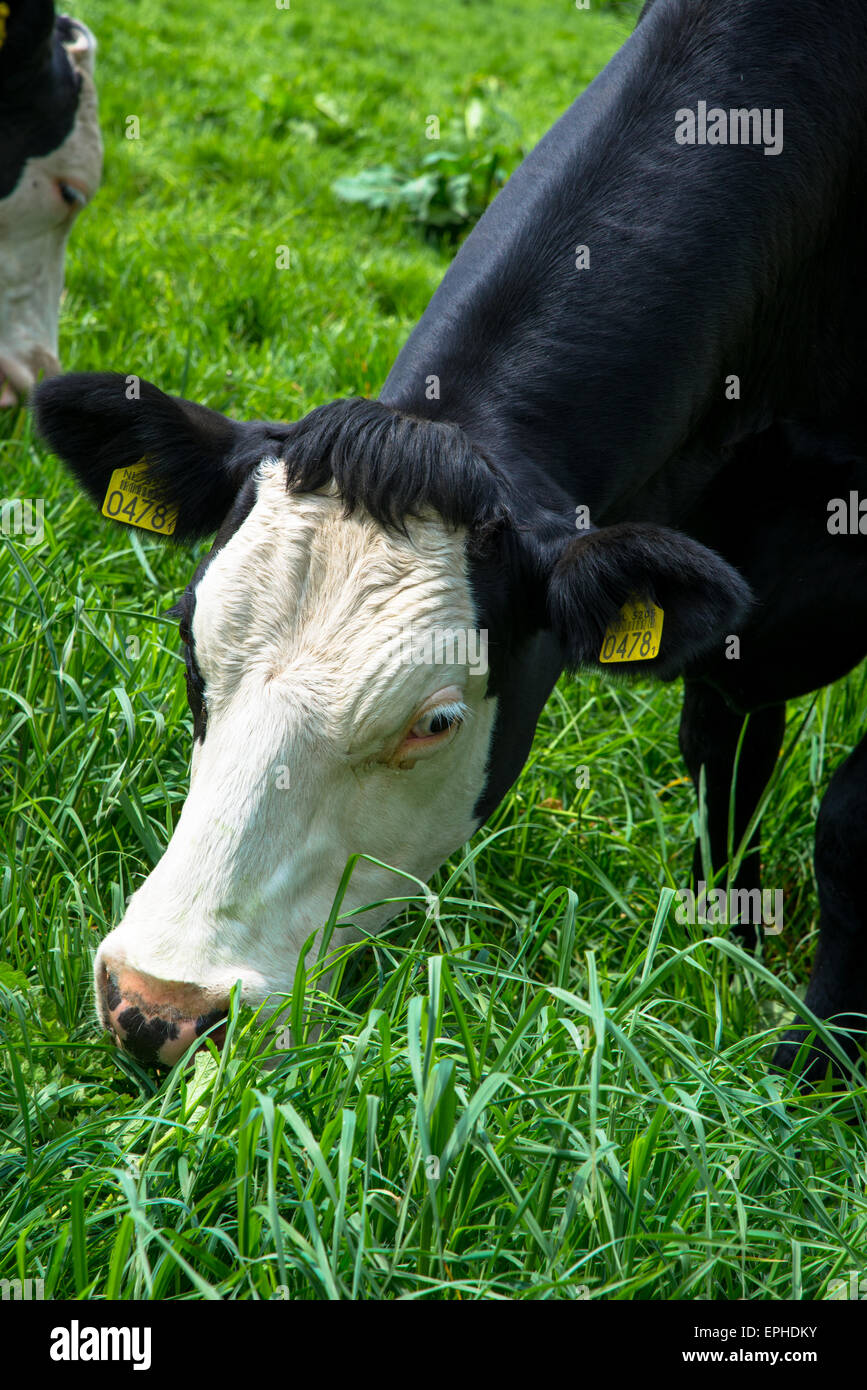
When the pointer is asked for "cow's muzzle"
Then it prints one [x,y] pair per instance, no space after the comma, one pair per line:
[155,1021]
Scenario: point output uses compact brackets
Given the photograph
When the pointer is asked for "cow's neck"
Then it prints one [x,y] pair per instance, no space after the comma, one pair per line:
[593,385]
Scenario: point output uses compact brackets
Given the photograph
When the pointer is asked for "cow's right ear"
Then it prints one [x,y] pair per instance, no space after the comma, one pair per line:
[195,460]
[702,599]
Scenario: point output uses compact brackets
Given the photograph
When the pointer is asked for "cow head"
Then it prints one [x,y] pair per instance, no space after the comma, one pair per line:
[368,646]
[50,166]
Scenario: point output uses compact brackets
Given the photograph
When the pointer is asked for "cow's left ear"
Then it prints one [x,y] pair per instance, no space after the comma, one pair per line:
[194,460]
[702,598]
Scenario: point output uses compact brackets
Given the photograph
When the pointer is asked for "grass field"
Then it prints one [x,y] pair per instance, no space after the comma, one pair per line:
[591,1076]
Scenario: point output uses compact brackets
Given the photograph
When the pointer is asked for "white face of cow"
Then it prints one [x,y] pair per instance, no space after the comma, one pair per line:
[337,673]
[35,221]
[323,739]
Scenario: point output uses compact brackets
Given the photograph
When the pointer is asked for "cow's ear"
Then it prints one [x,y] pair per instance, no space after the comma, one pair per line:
[702,598]
[192,459]
[27,36]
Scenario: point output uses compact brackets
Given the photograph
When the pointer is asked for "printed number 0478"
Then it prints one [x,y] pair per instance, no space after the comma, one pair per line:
[626,649]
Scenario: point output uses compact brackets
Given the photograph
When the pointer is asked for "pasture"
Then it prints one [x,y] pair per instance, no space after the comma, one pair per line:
[537,1083]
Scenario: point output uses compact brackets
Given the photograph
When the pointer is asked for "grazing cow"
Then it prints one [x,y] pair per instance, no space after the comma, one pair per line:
[50,166]
[640,380]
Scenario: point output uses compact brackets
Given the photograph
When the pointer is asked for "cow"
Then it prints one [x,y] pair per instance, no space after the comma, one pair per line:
[622,419]
[50,167]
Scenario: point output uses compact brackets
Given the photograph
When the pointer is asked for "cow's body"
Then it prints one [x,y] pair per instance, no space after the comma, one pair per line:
[50,166]
[608,387]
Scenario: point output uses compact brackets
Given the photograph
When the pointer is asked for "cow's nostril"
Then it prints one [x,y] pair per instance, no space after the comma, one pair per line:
[144,1038]
[206,1021]
[155,1021]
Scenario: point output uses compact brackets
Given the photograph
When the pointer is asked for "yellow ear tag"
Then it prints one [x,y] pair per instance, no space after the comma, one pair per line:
[134,499]
[635,635]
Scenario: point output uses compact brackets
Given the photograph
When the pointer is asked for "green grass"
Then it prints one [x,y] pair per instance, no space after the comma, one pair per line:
[591,1076]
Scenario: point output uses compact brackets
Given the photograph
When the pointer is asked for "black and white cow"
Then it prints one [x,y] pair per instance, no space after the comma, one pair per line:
[50,166]
[651,322]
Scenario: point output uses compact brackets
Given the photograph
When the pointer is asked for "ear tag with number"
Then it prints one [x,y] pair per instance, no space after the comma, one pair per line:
[635,634]
[133,498]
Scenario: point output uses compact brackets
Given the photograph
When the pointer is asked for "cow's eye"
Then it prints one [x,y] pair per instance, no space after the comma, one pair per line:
[434,727]
[437,722]
[72,196]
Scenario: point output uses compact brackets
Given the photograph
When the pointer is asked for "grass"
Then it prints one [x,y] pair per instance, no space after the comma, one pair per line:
[588,1078]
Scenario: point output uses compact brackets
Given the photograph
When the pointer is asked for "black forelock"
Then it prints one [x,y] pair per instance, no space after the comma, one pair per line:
[396,466]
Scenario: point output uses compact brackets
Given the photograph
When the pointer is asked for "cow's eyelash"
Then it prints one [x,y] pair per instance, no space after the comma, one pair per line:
[453,710]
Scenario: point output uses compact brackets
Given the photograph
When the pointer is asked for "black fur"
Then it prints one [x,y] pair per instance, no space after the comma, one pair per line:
[606,387]
[397,466]
[39,87]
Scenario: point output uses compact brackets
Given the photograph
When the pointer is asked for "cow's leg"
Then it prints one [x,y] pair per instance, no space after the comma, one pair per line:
[838,986]
[709,734]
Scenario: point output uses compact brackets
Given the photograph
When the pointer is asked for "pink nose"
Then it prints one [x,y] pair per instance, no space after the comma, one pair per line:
[156,1021]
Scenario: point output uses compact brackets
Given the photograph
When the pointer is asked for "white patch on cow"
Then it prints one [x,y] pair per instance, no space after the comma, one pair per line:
[308,704]
[35,222]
